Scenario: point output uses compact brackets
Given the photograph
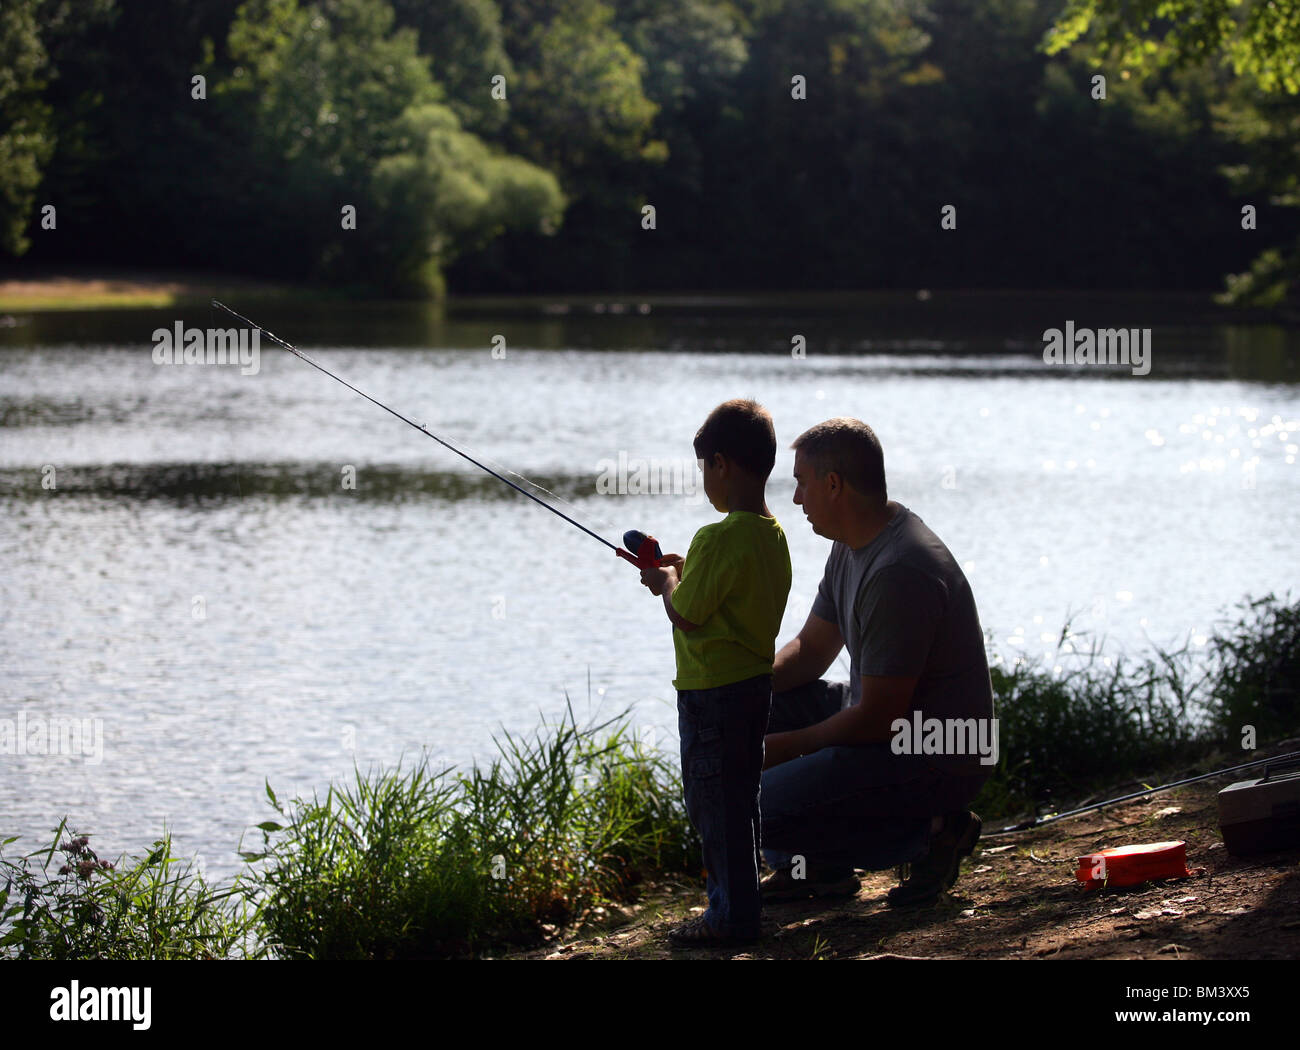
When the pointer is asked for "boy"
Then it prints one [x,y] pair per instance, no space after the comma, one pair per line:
[725,601]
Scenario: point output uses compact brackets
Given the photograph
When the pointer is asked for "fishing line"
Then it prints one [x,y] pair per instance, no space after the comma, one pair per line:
[234,445]
[1038,822]
[480,463]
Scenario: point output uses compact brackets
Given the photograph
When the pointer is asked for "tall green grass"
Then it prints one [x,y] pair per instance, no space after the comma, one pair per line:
[1255,675]
[150,907]
[424,863]
[1064,736]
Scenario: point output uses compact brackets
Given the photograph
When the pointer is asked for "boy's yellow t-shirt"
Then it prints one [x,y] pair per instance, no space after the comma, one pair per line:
[734,584]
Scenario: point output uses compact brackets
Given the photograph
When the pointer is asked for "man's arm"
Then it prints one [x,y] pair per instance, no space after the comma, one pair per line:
[806,657]
[866,722]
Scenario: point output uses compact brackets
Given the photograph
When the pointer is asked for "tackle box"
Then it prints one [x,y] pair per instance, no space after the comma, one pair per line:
[1132,865]
[1263,814]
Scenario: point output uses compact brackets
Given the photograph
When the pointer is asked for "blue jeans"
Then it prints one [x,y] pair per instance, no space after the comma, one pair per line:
[851,807]
[722,734]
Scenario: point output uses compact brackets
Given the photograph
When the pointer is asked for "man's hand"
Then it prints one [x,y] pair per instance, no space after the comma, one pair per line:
[868,721]
[779,748]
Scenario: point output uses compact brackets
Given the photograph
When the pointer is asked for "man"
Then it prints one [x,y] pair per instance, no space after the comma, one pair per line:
[842,788]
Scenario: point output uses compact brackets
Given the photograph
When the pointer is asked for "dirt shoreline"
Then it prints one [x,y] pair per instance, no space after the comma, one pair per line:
[1017,898]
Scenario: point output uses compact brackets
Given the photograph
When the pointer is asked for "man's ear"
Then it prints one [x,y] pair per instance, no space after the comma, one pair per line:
[834,483]
[721,464]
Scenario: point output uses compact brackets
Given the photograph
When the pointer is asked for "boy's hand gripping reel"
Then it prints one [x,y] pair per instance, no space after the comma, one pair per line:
[645,552]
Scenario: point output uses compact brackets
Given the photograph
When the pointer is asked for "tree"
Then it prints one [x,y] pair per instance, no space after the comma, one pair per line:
[579,104]
[448,193]
[26,129]
[466,43]
[343,111]
[1259,39]
[578,107]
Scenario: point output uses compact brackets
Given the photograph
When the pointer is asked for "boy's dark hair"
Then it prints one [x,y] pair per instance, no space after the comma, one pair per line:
[851,449]
[742,431]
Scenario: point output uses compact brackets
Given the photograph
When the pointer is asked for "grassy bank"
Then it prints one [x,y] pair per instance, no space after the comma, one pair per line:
[408,863]
[49,292]
[417,862]
[1065,735]
[423,863]
[154,906]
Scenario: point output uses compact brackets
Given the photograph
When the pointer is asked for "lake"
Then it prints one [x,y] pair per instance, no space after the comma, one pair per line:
[240,578]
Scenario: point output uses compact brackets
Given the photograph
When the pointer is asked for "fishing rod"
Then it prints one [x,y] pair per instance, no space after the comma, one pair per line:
[1038,822]
[643,550]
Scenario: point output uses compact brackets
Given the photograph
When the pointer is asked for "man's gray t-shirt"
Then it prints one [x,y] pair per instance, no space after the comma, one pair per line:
[905,609]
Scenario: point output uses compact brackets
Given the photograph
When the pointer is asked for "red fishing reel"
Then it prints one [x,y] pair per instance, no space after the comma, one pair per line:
[642,550]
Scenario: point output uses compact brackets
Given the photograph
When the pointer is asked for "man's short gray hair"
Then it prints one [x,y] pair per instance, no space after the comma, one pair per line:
[851,449]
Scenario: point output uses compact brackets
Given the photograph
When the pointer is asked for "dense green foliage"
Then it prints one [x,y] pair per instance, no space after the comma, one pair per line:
[1188,44]
[512,144]
[26,138]
[1259,39]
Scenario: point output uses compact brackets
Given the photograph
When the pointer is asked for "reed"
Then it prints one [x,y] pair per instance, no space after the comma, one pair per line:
[1067,735]
[425,863]
[153,906]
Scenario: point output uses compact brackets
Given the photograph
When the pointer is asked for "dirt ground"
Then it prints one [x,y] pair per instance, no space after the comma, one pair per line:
[1017,898]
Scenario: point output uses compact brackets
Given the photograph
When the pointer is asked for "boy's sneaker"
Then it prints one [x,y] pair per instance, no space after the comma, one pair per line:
[781,885]
[937,870]
[699,934]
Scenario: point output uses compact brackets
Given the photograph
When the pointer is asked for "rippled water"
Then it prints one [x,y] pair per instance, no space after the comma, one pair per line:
[430,606]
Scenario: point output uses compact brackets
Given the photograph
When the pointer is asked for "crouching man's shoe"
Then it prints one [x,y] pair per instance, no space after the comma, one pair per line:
[937,870]
[781,885]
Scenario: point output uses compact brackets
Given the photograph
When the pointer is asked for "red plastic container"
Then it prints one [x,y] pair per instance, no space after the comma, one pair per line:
[1130,865]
